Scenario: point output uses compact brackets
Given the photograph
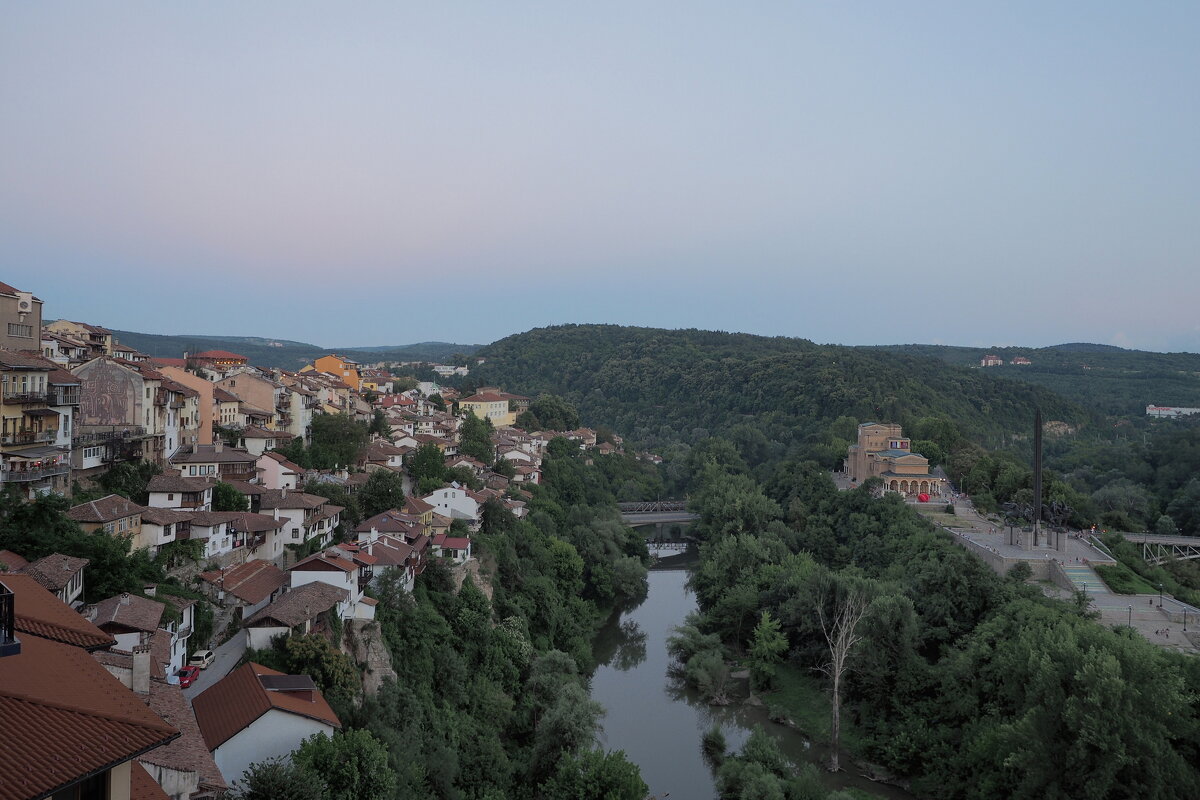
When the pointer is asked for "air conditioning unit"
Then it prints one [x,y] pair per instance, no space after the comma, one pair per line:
[24,303]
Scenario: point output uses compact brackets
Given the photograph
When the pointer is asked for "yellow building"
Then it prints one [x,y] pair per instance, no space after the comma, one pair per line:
[339,367]
[490,406]
[883,452]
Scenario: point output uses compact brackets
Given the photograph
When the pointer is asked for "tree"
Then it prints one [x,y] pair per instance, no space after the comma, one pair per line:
[227,498]
[383,490]
[427,463]
[475,438]
[595,775]
[767,648]
[277,779]
[839,613]
[129,479]
[549,412]
[379,424]
[353,764]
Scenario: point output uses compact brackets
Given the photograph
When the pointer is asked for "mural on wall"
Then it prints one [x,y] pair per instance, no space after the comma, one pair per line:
[109,394]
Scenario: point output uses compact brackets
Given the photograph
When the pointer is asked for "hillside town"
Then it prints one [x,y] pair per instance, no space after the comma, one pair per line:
[256,543]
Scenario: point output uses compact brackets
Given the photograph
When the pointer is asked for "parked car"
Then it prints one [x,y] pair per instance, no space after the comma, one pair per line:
[201,659]
[187,676]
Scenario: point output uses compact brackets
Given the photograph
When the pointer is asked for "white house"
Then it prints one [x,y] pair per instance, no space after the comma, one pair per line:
[178,493]
[276,472]
[333,568]
[255,714]
[456,502]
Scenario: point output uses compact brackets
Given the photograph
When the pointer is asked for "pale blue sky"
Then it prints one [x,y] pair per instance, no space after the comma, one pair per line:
[381,173]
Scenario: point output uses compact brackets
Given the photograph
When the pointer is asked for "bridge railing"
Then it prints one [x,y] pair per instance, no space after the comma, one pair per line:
[652,506]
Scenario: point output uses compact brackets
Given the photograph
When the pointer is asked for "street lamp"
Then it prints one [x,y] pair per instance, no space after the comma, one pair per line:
[1160,594]
[1131,616]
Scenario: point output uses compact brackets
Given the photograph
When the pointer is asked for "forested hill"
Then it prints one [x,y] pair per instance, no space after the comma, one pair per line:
[1109,379]
[664,385]
[283,352]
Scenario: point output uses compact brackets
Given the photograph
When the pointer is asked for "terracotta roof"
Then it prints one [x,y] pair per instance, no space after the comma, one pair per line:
[40,613]
[169,362]
[452,542]
[55,570]
[290,498]
[391,552]
[283,462]
[189,752]
[319,561]
[11,358]
[233,703]
[142,786]
[74,718]
[484,398]
[392,521]
[165,516]
[255,432]
[60,377]
[251,582]
[207,454]
[106,509]
[415,505]
[248,489]
[170,482]
[12,561]
[126,611]
[301,604]
[224,396]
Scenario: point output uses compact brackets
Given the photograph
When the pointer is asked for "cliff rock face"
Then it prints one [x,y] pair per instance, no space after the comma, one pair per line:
[363,642]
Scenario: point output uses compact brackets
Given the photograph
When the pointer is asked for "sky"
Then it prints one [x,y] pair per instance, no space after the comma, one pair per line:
[353,174]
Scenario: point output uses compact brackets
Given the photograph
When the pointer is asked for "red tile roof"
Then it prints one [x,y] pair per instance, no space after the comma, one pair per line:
[126,611]
[73,717]
[55,570]
[218,355]
[233,703]
[142,786]
[106,509]
[251,582]
[188,752]
[40,613]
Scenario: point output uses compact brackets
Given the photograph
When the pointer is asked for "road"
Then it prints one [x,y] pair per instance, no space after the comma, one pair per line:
[226,658]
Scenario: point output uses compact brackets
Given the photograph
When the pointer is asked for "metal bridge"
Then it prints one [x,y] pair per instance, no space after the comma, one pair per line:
[656,512]
[1159,549]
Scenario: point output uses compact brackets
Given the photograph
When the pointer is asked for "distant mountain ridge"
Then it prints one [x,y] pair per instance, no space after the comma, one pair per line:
[283,353]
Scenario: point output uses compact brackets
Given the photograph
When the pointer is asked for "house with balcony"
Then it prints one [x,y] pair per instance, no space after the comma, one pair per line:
[59,574]
[116,419]
[334,568]
[113,514]
[161,526]
[80,728]
[179,493]
[132,620]
[30,454]
[307,516]
[216,461]
[227,531]
[64,350]
[99,340]
[308,608]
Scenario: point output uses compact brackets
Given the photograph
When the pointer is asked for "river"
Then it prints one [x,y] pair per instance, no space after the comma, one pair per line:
[658,724]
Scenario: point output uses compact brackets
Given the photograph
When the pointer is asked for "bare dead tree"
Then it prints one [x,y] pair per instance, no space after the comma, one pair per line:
[839,625]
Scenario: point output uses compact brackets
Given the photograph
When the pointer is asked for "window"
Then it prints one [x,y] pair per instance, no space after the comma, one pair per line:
[170,497]
[24,331]
[191,470]
[295,533]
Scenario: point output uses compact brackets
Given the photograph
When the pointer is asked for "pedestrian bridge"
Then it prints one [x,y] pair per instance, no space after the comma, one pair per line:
[1160,549]
[656,512]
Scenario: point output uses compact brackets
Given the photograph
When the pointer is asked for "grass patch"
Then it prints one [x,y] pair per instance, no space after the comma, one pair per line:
[1122,580]
[804,699]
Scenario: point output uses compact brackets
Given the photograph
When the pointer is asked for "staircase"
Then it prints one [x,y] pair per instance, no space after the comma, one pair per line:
[1084,578]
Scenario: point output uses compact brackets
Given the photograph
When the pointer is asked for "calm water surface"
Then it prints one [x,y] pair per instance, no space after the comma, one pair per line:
[657,723]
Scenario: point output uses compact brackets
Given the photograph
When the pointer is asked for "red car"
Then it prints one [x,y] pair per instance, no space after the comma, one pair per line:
[187,675]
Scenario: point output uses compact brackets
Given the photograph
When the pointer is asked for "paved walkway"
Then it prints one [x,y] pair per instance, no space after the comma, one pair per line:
[1139,610]
[225,659]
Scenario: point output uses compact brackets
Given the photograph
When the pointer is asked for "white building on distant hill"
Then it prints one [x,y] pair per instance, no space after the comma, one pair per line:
[1170,411]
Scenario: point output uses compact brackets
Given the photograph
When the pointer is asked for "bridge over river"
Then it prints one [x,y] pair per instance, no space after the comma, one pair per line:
[656,512]
[1158,549]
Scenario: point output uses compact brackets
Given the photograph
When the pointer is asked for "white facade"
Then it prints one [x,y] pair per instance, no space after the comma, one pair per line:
[454,502]
[273,735]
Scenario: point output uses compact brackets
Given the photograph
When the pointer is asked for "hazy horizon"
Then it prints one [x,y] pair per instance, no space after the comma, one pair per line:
[928,172]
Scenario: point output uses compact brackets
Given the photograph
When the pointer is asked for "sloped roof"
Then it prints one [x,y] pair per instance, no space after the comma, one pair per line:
[233,703]
[221,354]
[13,561]
[290,498]
[169,482]
[301,604]
[126,610]
[165,516]
[391,521]
[73,717]
[106,509]
[252,582]
[55,570]
[189,752]
[327,560]
[39,613]
[207,454]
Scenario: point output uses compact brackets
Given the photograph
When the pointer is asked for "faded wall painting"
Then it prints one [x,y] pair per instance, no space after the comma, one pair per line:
[109,394]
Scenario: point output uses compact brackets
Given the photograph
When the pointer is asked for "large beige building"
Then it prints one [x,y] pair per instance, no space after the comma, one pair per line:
[882,451]
[20,319]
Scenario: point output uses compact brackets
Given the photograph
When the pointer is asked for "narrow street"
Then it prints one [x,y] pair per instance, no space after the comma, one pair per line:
[226,658]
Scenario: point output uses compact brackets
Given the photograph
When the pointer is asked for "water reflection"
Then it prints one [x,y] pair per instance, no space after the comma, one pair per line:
[659,722]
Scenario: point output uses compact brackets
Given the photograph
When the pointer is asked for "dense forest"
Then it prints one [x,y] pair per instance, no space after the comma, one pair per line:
[1108,379]
[660,386]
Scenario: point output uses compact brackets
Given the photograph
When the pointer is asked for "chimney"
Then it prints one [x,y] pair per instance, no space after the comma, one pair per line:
[139,680]
[218,445]
[150,589]
[283,493]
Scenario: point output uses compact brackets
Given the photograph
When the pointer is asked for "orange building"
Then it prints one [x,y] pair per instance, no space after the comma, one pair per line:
[883,452]
[339,367]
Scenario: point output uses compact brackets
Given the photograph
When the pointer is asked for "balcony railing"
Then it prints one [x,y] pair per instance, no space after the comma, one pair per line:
[29,437]
[9,646]
[37,474]
[26,397]
[64,398]
[107,436]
